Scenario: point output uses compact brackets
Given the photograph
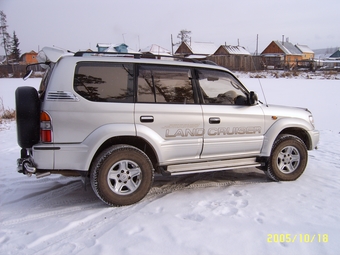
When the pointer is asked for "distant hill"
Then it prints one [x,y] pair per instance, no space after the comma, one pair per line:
[324,53]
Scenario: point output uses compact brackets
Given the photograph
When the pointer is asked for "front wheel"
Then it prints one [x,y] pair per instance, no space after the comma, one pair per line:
[288,159]
[121,175]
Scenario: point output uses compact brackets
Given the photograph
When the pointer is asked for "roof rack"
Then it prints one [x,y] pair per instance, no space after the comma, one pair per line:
[99,53]
[141,55]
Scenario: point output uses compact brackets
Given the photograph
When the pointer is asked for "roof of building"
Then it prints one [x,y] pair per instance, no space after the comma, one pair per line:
[288,48]
[235,50]
[201,48]
[155,50]
[335,54]
[304,48]
[122,47]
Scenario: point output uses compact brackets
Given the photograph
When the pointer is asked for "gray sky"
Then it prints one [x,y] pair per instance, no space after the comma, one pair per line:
[81,24]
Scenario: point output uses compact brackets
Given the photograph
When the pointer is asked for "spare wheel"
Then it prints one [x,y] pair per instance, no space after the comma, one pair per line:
[27,116]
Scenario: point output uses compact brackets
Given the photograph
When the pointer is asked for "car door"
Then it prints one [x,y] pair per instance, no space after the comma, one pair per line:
[233,128]
[167,112]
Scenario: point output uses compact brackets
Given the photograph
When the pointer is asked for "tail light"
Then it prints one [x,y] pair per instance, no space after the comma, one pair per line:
[45,127]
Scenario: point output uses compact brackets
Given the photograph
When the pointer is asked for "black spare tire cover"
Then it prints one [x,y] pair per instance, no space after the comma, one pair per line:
[27,116]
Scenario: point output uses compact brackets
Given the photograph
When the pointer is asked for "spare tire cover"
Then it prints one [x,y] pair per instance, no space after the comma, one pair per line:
[27,116]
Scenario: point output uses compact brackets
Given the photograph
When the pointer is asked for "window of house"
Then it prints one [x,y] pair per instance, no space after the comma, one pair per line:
[165,84]
[104,82]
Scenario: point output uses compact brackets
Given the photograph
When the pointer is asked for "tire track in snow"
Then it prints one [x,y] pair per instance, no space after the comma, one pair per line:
[56,206]
[93,223]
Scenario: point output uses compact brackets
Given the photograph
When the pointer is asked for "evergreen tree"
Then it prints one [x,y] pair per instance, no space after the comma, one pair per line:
[15,51]
[4,36]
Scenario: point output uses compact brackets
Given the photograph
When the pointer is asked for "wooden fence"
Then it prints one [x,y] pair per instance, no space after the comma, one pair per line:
[16,70]
[238,62]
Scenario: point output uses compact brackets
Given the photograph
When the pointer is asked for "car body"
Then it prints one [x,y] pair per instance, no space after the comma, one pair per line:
[119,118]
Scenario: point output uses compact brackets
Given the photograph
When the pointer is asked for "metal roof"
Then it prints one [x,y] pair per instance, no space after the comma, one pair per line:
[304,48]
[236,50]
[288,48]
[202,48]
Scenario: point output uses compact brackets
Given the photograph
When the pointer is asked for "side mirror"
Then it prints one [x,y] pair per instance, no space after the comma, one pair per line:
[253,98]
[27,75]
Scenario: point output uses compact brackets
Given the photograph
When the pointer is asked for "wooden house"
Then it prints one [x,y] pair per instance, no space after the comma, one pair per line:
[197,50]
[155,51]
[119,48]
[231,50]
[307,53]
[29,58]
[279,54]
[233,57]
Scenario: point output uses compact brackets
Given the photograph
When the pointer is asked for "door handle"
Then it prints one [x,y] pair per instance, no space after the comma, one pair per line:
[146,119]
[214,120]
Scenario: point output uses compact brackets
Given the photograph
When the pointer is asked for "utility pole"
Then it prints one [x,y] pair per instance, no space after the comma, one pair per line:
[172,46]
[257,45]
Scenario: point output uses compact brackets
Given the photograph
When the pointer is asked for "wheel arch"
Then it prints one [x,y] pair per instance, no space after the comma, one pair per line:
[296,127]
[299,132]
[134,141]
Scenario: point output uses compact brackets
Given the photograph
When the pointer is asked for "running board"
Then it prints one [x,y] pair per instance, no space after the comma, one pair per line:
[212,166]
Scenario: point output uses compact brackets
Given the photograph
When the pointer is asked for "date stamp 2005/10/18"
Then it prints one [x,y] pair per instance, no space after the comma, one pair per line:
[302,238]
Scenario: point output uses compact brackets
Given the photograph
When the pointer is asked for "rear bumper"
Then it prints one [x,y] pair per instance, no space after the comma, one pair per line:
[61,157]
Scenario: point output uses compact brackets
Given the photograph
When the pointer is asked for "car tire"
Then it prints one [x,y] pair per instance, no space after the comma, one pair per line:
[27,105]
[288,159]
[121,175]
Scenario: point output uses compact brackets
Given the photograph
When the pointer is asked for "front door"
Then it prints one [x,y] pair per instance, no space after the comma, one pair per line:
[233,128]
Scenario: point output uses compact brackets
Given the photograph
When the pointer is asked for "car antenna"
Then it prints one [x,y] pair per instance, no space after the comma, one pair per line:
[258,78]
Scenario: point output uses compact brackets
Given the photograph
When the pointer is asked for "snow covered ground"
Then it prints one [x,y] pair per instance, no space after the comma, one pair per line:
[231,212]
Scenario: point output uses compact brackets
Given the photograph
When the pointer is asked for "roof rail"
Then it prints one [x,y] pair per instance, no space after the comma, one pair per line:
[99,53]
[184,59]
[141,55]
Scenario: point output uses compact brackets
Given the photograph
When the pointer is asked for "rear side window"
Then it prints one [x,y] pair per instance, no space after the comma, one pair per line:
[104,82]
[45,80]
[165,84]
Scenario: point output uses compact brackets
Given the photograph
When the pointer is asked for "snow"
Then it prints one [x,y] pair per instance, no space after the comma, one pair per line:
[304,48]
[231,212]
[156,50]
[202,48]
[236,50]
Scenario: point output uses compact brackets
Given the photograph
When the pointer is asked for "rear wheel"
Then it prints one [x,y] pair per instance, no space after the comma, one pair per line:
[121,175]
[288,159]
[27,116]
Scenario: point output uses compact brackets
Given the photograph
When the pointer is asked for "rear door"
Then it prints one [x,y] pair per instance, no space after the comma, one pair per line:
[167,113]
[232,127]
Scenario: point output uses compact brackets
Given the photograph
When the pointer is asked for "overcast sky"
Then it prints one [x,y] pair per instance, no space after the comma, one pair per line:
[81,24]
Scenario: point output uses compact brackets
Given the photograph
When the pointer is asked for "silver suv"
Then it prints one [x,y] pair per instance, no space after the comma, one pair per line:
[118,119]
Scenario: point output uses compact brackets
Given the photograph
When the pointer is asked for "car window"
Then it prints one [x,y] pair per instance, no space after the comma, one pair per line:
[220,87]
[165,84]
[45,80]
[104,82]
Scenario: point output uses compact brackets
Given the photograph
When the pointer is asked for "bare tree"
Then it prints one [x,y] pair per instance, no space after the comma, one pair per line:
[4,35]
[184,35]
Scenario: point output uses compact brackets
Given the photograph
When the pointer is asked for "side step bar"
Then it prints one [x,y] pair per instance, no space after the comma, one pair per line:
[212,166]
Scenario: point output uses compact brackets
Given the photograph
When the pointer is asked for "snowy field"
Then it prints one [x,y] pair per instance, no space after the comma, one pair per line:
[231,212]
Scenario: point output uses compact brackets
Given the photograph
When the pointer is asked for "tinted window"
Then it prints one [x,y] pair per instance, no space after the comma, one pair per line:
[165,84]
[45,80]
[220,87]
[104,82]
